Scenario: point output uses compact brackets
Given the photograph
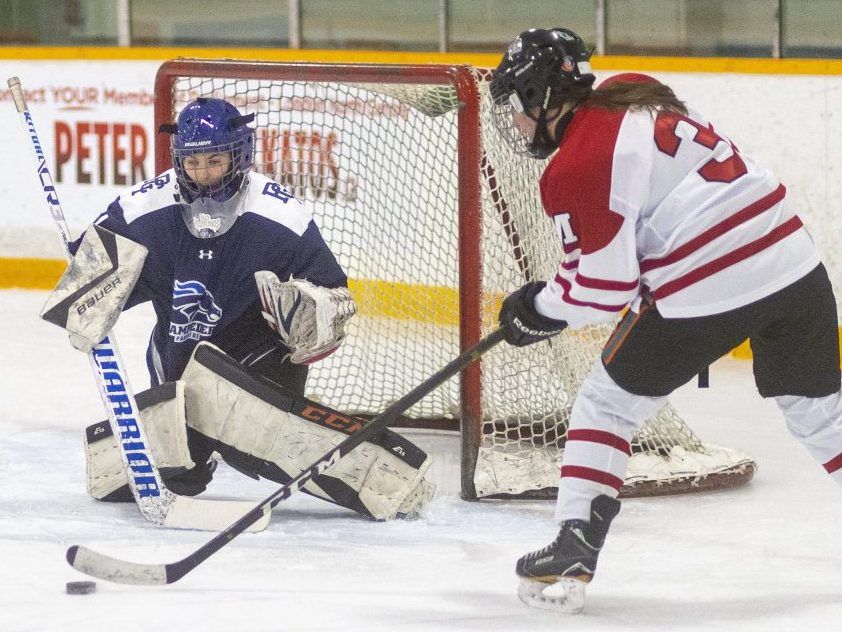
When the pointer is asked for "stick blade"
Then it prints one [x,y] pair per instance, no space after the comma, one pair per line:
[211,515]
[110,569]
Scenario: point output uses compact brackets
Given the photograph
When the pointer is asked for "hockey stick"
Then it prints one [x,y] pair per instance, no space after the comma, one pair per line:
[155,502]
[115,570]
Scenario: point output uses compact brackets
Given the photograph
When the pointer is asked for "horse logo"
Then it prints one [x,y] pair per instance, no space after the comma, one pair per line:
[193,301]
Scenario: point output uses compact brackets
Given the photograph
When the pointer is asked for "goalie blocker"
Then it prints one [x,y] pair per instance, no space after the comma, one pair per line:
[262,430]
[95,286]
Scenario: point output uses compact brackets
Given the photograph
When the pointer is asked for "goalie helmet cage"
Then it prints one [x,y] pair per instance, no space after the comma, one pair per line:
[434,219]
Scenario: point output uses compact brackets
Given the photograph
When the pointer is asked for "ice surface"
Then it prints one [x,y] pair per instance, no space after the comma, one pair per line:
[765,557]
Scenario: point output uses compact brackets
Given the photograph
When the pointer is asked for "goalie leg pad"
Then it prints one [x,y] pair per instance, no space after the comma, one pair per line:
[275,433]
[162,414]
[96,285]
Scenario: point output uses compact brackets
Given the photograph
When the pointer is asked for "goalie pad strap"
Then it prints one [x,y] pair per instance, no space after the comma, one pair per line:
[91,293]
[162,414]
[261,426]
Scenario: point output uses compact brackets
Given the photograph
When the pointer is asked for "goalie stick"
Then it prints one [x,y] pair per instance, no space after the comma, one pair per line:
[155,502]
[112,569]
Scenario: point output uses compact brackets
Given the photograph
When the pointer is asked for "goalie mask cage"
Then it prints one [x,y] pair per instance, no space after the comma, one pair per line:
[434,220]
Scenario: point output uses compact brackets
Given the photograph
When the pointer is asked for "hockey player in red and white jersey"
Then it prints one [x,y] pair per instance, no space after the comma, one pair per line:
[659,213]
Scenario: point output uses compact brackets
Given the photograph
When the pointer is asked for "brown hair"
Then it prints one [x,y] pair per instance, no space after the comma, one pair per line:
[623,95]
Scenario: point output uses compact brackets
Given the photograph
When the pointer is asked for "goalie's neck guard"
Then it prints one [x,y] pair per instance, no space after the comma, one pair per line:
[206,217]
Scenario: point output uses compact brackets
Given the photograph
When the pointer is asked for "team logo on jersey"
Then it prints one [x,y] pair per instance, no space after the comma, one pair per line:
[275,190]
[205,222]
[192,300]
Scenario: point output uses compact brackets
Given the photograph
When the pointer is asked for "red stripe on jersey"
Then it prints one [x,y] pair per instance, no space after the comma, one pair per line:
[735,256]
[604,284]
[590,474]
[750,211]
[565,284]
[834,464]
[570,265]
[600,436]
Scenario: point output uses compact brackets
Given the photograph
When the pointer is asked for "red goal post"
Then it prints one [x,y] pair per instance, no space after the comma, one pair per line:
[434,222]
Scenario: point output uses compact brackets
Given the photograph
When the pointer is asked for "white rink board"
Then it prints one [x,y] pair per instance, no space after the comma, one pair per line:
[787,122]
[94,120]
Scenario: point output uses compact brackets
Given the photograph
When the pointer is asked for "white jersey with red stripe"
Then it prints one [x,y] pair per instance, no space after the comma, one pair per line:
[659,204]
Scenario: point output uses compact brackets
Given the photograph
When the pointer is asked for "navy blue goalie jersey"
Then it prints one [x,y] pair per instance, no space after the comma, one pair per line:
[204,289]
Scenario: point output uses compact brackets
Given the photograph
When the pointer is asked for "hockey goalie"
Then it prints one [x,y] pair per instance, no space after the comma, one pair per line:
[246,295]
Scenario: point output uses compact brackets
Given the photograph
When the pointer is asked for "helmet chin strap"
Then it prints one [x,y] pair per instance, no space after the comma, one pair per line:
[543,143]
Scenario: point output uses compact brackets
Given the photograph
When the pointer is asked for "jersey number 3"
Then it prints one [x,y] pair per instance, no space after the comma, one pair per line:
[668,141]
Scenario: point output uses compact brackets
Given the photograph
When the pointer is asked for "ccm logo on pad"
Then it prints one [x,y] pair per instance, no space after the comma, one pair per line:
[330,419]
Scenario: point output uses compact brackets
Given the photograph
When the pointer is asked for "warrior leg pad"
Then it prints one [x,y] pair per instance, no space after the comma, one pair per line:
[162,414]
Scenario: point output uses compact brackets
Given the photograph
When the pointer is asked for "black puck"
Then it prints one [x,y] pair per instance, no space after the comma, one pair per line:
[80,588]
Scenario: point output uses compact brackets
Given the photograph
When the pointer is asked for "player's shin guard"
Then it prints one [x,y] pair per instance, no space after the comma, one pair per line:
[817,423]
[596,455]
[569,561]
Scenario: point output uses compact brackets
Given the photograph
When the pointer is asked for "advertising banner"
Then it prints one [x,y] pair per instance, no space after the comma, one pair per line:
[94,120]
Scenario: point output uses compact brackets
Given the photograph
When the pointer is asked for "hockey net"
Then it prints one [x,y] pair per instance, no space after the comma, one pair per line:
[434,220]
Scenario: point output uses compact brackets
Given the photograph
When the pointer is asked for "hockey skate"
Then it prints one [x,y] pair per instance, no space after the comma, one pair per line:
[569,561]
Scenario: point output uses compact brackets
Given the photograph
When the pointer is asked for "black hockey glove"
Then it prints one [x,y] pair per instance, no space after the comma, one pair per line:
[523,325]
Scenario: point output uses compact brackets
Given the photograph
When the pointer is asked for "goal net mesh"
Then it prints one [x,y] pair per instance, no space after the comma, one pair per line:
[378,164]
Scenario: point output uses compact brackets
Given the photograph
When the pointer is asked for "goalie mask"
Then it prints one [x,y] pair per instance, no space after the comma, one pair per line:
[541,70]
[212,151]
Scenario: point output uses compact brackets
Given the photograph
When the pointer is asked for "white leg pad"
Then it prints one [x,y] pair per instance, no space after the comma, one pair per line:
[162,414]
[259,419]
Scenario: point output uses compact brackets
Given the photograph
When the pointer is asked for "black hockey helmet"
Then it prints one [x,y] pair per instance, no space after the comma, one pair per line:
[542,68]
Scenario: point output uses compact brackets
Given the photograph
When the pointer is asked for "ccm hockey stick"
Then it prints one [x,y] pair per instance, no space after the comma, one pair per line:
[155,502]
[115,570]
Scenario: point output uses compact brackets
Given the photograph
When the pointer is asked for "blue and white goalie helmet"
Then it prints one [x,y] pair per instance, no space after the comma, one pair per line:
[211,137]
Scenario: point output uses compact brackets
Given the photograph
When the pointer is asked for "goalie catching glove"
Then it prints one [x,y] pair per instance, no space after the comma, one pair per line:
[96,285]
[309,319]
